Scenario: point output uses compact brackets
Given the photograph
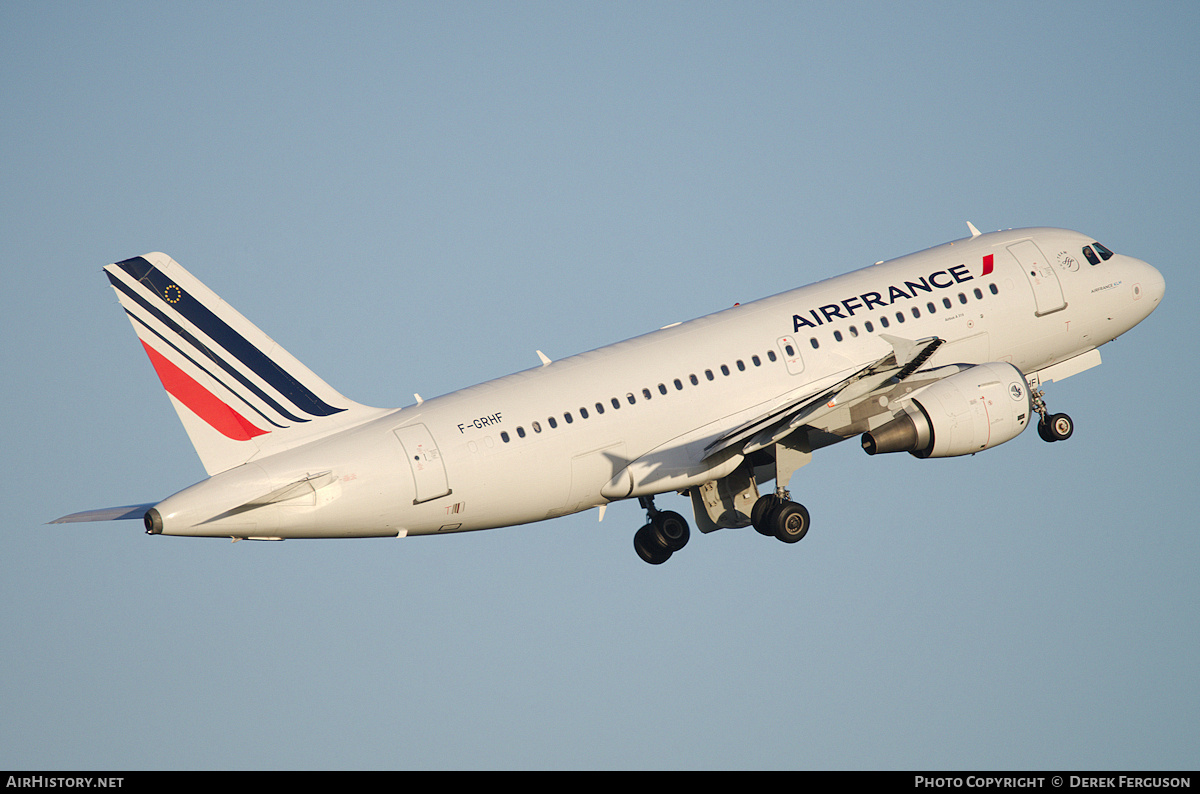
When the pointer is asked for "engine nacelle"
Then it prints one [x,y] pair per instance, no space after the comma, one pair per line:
[972,410]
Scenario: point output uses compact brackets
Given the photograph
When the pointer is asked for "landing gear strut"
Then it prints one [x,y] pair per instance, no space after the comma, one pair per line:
[776,515]
[1051,427]
[664,534]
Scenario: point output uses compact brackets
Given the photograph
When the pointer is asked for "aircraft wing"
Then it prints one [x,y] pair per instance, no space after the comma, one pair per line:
[906,358]
[106,514]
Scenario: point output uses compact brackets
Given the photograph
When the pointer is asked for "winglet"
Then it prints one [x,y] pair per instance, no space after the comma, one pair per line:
[974,232]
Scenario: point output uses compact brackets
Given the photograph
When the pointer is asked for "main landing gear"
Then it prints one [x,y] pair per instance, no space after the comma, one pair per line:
[663,535]
[666,532]
[776,515]
[1051,427]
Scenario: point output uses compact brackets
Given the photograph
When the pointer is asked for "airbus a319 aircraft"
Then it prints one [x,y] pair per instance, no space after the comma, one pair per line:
[939,353]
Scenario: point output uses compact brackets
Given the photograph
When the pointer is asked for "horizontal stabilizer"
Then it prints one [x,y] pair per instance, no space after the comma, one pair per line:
[106,514]
[304,487]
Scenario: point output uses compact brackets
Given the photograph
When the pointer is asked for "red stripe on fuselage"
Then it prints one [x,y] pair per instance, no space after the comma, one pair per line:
[200,400]
[988,262]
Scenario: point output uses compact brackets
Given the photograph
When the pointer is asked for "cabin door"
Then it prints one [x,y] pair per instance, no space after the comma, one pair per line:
[1047,291]
[429,473]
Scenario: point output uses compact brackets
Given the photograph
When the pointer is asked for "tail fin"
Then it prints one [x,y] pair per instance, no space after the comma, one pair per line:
[237,392]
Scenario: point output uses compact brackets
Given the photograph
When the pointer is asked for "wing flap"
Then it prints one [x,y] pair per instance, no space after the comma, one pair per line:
[906,357]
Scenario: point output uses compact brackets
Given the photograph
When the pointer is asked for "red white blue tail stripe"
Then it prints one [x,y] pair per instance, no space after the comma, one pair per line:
[230,382]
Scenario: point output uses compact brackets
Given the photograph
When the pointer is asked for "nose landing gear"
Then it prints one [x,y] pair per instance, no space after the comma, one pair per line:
[1051,427]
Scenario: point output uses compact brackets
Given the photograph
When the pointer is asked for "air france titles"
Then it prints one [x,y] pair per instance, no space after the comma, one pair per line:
[941,279]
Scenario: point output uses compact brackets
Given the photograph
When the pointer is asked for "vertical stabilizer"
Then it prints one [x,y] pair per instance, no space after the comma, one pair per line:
[237,392]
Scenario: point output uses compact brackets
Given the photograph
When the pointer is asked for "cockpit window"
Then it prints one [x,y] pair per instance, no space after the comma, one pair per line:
[1105,254]
[1091,255]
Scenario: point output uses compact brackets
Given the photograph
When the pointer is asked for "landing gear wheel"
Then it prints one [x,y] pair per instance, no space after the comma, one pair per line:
[790,522]
[670,531]
[761,511]
[647,547]
[1058,427]
[664,534]
[1061,427]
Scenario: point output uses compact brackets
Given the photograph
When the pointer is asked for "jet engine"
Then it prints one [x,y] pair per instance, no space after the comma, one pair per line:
[962,414]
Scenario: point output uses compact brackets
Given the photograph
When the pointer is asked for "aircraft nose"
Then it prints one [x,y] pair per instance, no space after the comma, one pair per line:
[1148,284]
[1155,285]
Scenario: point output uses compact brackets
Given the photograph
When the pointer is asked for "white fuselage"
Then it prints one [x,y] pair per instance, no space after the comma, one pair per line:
[634,418]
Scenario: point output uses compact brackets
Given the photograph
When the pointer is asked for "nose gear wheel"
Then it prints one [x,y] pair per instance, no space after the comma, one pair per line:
[1051,427]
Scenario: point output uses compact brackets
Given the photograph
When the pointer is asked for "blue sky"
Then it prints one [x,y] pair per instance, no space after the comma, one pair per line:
[414,197]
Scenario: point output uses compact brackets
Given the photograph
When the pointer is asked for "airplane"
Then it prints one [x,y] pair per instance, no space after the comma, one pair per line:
[939,353]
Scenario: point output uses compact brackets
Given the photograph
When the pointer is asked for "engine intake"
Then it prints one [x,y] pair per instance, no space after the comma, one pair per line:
[973,410]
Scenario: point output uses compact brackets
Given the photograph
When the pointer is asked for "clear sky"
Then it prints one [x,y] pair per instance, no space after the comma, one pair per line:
[414,197]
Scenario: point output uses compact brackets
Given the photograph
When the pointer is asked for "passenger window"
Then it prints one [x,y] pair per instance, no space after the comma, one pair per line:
[520,432]
[553,422]
[504,436]
[662,388]
[870,328]
[899,317]
[695,381]
[599,408]
[583,412]
[630,398]
[1105,254]
[978,294]
[771,355]
[646,393]
[993,290]
[815,344]
[916,312]
[853,331]
[757,361]
[615,403]
[962,298]
[883,321]
[931,307]
[537,428]
[946,302]
[837,335]
[741,365]
[678,385]
[567,416]
[724,369]
[708,374]
[1090,255]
